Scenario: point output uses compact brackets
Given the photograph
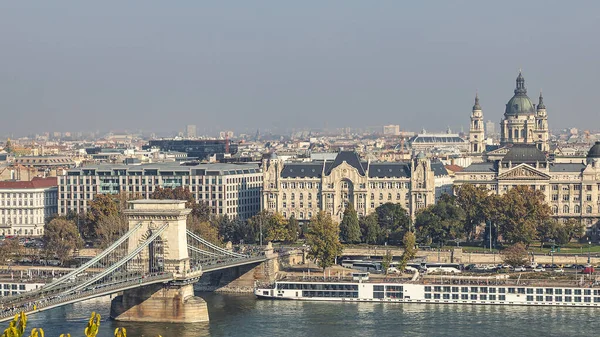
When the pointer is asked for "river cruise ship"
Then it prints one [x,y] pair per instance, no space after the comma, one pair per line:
[457,290]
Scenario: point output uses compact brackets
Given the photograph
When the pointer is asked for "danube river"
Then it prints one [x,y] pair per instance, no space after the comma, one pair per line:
[243,315]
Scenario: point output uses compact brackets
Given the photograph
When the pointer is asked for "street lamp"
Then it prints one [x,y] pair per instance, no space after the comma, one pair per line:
[589,251]
[552,251]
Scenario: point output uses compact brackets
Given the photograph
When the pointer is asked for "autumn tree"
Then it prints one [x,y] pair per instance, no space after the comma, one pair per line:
[205,229]
[103,205]
[61,238]
[515,255]
[370,229]
[10,248]
[393,220]
[111,227]
[520,212]
[409,241]
[386,262]
[349,227]
[323,238]
[200,209]
[574,229]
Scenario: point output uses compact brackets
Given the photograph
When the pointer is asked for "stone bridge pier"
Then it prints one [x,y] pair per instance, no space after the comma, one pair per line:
[171,302]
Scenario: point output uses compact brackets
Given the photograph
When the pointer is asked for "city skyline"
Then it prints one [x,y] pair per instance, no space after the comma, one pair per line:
[226,67]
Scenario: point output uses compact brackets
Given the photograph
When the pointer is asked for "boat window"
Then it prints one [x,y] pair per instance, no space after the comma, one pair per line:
[558,291]
[521,290]
[549,291]
[567,298]
[558,299]
[473,297]
[492,290]
[530,290]
[539,298]
[539,291]
[587,292]
[548,298]
[529,298]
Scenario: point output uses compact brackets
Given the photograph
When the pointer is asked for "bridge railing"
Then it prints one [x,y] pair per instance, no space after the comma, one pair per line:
[44,303]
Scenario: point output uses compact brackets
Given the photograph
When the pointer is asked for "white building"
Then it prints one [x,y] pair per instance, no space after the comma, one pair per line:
[25,205]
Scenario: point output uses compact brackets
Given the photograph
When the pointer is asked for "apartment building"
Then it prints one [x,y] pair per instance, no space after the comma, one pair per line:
[231,190]
[25,205]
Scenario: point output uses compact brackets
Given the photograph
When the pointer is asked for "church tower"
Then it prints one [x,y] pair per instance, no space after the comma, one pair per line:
[541,133]
[476,131]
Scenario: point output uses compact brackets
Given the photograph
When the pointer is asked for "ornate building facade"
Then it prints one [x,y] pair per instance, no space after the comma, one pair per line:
[522,122]
[476,129]
[302,189]
[571,189]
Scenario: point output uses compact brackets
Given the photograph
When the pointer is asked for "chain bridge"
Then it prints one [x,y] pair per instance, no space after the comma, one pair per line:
[153,266]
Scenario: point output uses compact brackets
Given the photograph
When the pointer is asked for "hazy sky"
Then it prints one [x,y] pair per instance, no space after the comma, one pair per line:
[243,65]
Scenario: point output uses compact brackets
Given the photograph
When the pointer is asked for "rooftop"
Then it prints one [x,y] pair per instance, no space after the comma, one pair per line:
[33,184]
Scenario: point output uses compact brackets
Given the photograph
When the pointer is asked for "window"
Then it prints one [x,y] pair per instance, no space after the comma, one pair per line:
[565,208]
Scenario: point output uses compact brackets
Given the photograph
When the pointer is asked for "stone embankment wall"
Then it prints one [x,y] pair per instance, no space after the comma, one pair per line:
[242,279]
[457,255]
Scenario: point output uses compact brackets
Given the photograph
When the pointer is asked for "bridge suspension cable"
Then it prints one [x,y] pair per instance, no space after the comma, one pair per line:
[212,246]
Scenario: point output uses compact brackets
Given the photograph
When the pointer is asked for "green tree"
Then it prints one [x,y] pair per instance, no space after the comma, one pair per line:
[103,205]
[370,229]
[475,202]
[323,238]
[520,211]
[293,228]
[349,227]
[61,238]
[440,222]
[277,229]
[394,221]
[409,241]
[574,229]
[8,147]
[515,255]
[258,224]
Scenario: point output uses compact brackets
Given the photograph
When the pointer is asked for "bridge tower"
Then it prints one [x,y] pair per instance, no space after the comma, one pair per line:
[169,302]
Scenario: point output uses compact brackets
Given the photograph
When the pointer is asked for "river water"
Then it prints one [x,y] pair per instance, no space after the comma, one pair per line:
[243,315]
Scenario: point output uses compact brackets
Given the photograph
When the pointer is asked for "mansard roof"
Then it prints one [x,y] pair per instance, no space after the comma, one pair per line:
[389,170]
[524,153]
[485,167]
[351,158]
[302,170]
[567,167]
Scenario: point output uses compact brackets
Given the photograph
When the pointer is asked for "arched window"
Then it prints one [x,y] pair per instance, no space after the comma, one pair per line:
[588,209]
[309,196]
[301,196]
[516,133]
[284,196]
[293,197]
[524,133]
[555,209]
[577,209]
[566,209]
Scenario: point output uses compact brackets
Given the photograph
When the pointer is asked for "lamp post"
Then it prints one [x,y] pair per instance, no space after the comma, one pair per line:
[552,252]
[490,235]
[589,251]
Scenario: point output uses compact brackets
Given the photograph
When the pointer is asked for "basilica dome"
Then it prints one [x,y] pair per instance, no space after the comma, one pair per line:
[520,104]
[594,151]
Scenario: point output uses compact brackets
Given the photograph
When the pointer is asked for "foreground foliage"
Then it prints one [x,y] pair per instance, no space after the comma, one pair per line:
[17,327]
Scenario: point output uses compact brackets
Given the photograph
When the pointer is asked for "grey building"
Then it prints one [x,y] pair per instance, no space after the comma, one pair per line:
[232,190]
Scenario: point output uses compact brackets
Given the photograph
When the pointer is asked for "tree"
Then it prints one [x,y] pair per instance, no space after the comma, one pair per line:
[387,261]
[200,209]
[515,255]
[111,227]
[370,229]
[204,229]
[394,221]
[520,211]
[409,241]
[10,248]
[61,238]
[323,238]
[277,229]
[293,228]
[475,202]
[349,227]
[8,147]
[574,229]
[440,222]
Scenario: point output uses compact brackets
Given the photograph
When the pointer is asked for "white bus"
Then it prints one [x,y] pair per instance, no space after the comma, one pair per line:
[447,268]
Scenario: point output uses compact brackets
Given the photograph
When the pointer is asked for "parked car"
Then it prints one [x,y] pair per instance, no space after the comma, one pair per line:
[520,268]
[539,269]
[559,270]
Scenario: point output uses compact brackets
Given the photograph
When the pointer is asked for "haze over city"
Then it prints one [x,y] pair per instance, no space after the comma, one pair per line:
[75,66]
